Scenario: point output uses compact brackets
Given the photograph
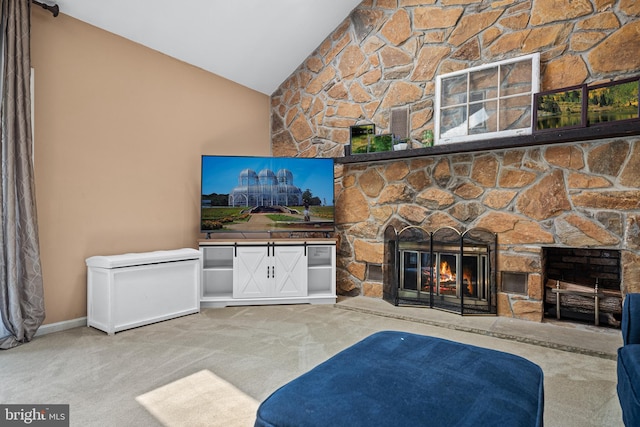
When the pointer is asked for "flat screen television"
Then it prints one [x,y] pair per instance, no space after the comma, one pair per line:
[243,194]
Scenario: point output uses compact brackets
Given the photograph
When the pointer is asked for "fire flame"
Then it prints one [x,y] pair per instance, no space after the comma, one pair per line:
[445,272]
[468,276]
[446,275]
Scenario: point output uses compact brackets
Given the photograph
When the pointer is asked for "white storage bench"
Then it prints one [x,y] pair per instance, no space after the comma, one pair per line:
[131,290]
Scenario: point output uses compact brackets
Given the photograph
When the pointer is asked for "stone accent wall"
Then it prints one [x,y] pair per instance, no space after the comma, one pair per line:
[567,195]
[387,54]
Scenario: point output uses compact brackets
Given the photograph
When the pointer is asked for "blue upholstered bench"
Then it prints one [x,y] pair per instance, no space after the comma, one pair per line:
[629,361]
[401,379]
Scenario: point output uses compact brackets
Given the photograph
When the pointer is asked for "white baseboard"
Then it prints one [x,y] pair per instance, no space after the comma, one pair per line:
[61,326]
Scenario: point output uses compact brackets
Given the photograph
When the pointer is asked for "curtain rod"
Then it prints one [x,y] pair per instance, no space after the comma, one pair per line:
[53,9]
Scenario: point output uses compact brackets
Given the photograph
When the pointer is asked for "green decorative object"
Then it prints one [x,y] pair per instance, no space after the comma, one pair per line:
[381,143]
[427,138]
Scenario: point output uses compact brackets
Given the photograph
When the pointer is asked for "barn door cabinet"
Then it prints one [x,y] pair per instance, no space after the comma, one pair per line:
[273,271]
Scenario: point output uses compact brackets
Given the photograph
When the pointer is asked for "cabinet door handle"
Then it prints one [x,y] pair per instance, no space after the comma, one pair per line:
[273,272]
[268,272]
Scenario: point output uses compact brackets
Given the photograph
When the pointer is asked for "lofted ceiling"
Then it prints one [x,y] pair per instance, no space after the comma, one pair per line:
[256,43]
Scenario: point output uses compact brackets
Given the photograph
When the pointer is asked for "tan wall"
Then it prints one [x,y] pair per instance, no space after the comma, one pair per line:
[119,131]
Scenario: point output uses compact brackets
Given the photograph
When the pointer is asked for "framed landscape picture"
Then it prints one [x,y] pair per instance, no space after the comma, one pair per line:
[560,109]
[381,143]
[613,101]
[361,137]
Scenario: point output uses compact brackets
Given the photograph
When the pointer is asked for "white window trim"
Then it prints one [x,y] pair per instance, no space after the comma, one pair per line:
[535,88]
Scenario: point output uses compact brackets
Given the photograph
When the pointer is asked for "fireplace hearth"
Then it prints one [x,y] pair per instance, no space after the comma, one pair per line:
[444,269]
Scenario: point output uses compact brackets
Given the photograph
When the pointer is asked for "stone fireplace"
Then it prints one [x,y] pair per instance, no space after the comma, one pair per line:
[535,199]
[546,191]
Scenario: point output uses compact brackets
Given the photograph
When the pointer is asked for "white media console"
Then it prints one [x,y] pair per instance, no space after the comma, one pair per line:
[136,289]
[130,290]
[269,271]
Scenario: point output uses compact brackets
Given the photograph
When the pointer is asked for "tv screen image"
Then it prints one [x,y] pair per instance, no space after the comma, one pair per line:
[244,194]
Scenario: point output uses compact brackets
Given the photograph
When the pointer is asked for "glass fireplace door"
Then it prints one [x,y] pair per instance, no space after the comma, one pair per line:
[415,276]
[445,269]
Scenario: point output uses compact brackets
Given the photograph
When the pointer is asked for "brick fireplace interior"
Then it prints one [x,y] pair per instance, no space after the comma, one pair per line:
[583,273]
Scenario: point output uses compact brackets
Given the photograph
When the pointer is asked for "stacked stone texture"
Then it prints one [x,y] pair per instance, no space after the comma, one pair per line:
[566,195]
[387,54]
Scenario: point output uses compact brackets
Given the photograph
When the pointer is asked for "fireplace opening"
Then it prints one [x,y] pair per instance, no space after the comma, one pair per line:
[583,285]
[445,269]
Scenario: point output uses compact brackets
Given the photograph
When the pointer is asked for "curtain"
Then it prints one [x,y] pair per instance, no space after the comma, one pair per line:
[21,291]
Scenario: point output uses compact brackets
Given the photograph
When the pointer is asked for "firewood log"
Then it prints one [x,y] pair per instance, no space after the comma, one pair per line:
[552,283]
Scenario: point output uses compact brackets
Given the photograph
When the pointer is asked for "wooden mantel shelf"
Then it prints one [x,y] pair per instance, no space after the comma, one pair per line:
[614,130]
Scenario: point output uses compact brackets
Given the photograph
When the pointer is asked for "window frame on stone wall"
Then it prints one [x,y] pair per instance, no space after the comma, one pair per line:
[465,94]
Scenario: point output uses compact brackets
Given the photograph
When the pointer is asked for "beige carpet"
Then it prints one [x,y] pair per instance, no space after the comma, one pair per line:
[201,399]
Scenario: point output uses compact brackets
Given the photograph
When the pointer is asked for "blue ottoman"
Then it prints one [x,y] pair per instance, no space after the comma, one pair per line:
[400,379]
